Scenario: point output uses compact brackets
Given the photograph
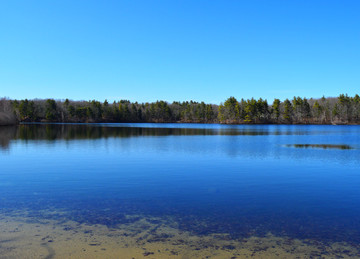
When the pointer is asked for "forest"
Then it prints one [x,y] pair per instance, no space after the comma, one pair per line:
[343,109]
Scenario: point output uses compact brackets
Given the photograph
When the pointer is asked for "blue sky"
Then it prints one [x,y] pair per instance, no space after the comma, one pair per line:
[179,50]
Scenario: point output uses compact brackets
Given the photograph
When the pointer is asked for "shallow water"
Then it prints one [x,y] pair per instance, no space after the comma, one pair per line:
[179,190]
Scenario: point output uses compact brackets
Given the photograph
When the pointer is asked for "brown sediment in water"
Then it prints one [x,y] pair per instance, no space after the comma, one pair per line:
[23,237]
[323,146]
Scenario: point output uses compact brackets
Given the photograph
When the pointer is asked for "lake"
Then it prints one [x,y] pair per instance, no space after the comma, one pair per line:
[179,191]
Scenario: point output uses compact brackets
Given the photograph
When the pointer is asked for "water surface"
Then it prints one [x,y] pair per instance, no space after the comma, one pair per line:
[236,181]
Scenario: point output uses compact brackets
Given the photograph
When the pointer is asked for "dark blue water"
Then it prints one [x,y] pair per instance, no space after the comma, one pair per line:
[241,180]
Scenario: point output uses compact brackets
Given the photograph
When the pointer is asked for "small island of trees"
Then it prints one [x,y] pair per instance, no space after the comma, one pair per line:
[341,110]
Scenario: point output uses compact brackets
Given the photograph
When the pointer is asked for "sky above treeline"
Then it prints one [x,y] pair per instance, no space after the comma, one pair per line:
[179,50]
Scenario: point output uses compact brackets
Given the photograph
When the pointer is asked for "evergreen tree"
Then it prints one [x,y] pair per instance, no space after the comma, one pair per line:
[51,113]
[287,110]
[276,108]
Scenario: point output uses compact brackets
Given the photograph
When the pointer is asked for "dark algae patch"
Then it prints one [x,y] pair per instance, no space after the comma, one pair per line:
[322,146]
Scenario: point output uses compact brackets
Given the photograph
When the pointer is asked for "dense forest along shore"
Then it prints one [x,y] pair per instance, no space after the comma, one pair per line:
[7,113]
[340,110]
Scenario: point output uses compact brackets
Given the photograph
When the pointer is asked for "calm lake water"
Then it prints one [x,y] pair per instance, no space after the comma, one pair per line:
[240,181]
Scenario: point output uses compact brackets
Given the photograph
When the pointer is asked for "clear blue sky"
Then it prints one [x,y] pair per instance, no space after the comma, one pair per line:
[179,50]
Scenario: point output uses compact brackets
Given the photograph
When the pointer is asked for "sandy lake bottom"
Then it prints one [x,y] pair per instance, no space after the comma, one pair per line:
[146,237]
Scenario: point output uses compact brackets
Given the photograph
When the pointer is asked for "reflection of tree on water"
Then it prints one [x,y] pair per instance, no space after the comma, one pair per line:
[73,131]
[238,141]
[7,133]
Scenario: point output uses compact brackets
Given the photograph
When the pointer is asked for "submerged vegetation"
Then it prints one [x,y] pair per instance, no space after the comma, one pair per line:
[323,146]
[341,110]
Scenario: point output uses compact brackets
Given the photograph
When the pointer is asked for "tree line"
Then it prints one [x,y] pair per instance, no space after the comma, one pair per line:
[341,110]
[51,110]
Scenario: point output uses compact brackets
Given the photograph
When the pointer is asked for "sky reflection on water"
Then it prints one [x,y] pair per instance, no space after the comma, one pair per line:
[237,179]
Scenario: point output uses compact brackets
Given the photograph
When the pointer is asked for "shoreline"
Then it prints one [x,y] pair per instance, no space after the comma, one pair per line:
[177,122]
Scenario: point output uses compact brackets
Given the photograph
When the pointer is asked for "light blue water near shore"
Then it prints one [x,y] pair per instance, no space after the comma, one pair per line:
[242,180]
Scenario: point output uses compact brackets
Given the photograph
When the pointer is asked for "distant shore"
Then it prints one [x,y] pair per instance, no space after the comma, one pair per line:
[172,122]
[342,110]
